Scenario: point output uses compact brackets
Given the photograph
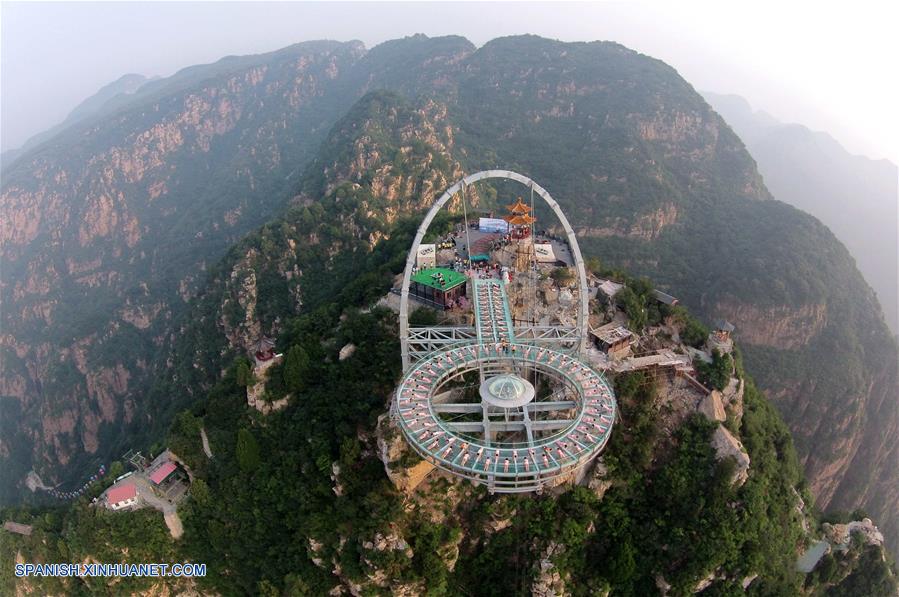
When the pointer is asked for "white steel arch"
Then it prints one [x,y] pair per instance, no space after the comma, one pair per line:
[429,217]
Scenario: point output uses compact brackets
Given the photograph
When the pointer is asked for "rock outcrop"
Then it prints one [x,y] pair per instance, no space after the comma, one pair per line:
[346,352]
[732,398]
[712,407]
[728,446]
[403,466]
[840,534]
[598,480]
[256,396]
[549,582]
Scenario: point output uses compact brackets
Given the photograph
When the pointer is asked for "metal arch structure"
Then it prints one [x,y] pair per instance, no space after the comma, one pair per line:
[540,412]
[438,205]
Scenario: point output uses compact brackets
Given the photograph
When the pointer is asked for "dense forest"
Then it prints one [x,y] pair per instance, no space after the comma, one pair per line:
[268,495]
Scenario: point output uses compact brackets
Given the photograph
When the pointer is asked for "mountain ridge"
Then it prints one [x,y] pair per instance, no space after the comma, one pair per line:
[660,511]
[652,177]
[128,84]
[814,172]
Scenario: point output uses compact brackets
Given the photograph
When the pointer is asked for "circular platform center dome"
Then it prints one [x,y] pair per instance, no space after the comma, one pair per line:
[507,391]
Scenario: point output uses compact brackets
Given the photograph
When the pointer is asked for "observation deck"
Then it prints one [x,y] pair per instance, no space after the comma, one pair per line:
[515,409]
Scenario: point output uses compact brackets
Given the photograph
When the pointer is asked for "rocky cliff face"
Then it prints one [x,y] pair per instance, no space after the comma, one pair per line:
[647,226]
[101,224]
[782,327]
[400,161]
[386,159]
[106,228]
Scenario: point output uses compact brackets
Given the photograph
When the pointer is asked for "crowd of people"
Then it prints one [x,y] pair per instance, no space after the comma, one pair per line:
[475,264]
[480,269]
[570,448]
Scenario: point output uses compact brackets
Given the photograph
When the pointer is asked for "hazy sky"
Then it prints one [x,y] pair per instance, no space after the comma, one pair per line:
[829,65]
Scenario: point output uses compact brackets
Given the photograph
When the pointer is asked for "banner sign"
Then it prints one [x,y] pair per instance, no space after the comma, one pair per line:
[427,256]
[493,225]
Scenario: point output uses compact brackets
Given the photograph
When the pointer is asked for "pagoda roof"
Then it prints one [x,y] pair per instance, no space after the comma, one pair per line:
[664,297]
[724,325]
[520,219]
[265,343]
[518,207]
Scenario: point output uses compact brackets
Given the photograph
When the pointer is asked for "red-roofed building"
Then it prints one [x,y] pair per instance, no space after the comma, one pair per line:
[122,496]
[160,474]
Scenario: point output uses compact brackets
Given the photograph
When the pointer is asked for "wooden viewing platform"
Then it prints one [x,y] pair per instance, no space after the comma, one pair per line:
[18,528]
[663,358]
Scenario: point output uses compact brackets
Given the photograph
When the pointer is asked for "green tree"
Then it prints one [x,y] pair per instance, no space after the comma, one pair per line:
[562,276]
[634,306]
[871,576]
[199,490]
[423,316]
[244,374]
[694,333]
[717,373]
[247,451]
[116,469]
[295,586]
[184,438]
[642,287]
[265,588]
[296,366]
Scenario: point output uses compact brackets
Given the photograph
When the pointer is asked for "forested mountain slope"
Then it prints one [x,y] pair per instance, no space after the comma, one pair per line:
[299,503]
[856,197]
[660,185]
[653,179]
[106,230]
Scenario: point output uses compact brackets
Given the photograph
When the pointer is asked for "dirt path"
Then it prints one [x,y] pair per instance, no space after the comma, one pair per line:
[173,521]
[169,512]
[205,442]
